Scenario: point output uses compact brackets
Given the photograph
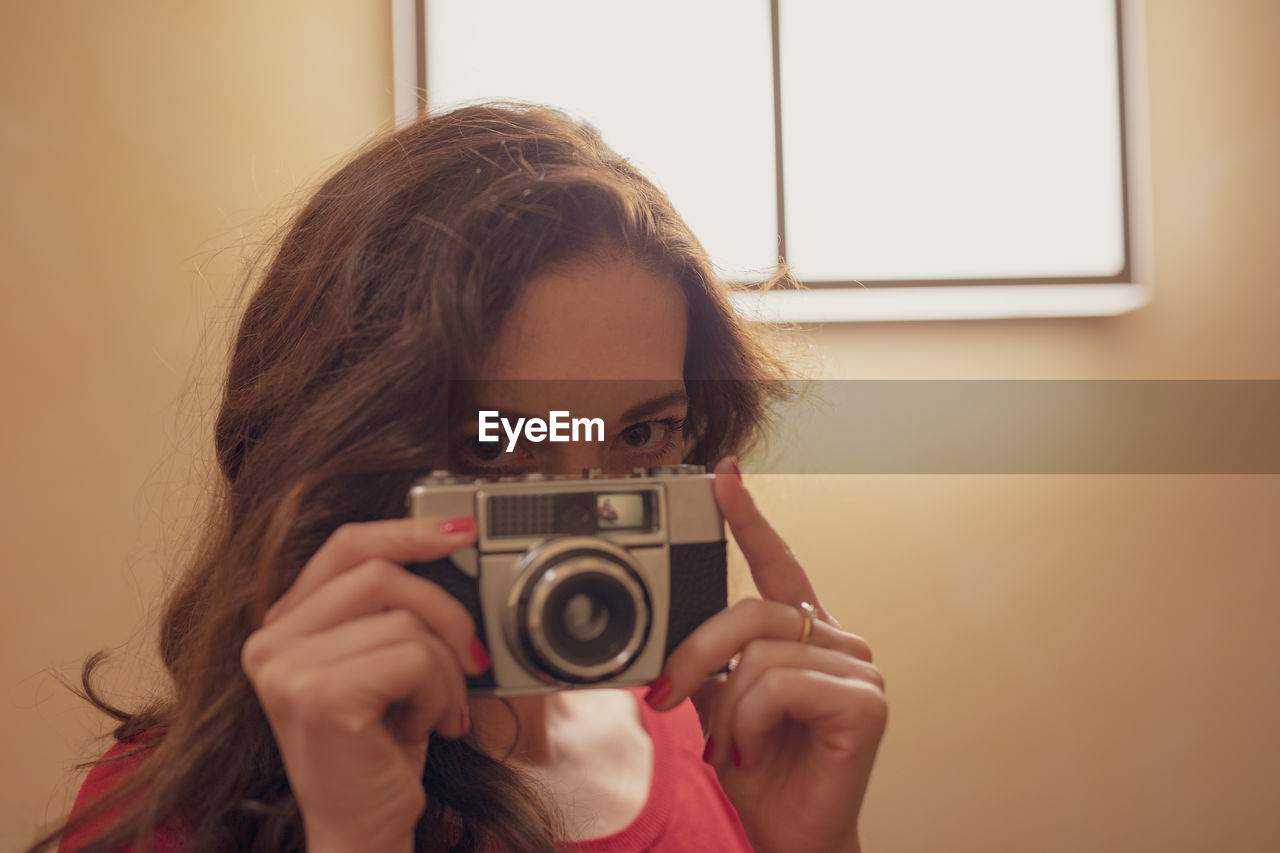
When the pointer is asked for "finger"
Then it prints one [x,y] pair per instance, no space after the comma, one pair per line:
[293,676]
[376,586]
[344,640]
[762,656]
[416,722]
[399,540]
[776,571]
[355,694]
[711,646]
[706,699]
[844,717]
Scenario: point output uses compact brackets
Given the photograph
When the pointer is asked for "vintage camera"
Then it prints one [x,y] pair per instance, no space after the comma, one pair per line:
[580,582]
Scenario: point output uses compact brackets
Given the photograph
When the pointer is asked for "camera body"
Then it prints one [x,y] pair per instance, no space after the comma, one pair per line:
[580,582]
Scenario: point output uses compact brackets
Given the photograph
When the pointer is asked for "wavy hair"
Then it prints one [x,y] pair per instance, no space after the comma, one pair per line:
[385,287]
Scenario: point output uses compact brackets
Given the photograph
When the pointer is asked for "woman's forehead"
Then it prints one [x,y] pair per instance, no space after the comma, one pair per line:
[593,319]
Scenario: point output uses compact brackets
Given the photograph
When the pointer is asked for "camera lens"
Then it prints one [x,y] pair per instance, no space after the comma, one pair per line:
[584,616]
[588,619]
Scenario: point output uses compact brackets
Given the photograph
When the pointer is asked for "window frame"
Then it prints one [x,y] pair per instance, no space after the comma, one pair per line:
[899,300]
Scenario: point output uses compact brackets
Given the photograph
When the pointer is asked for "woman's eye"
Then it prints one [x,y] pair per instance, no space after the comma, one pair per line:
[651,435]
[471,455]
[639,435]
[485,451]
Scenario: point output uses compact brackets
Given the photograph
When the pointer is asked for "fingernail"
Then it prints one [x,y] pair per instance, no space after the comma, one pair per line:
[461,524]
[709,750]
[465,721]
[737,757]
[733,461]
[658,691]
[479,655]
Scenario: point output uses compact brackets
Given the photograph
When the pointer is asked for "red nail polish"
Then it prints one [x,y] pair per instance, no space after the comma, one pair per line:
[478,654]
[709,751]
[733,460]
[658,691]
[737,757]
[461,524]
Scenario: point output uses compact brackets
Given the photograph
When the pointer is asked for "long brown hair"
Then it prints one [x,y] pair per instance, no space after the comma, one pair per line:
[386,286]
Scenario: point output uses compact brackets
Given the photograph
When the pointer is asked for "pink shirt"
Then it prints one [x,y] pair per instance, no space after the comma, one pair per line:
[687,812]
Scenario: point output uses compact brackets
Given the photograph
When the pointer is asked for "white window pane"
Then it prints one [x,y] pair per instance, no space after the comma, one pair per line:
[941,139]
[683,89]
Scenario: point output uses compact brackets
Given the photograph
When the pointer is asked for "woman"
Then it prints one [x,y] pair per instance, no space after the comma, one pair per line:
[319,698]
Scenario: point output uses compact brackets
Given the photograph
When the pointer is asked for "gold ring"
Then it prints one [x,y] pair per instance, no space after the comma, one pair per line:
[808,613]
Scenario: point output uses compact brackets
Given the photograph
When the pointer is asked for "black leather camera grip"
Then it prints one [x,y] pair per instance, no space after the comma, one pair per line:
[446,575]
[699,588]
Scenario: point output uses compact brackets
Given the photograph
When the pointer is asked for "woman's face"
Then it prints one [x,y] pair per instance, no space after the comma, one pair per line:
[600,337]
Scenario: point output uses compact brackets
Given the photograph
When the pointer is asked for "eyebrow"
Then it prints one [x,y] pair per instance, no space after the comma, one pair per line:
[657,404]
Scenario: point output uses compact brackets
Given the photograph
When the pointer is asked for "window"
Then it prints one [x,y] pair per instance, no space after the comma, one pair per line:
[911,160]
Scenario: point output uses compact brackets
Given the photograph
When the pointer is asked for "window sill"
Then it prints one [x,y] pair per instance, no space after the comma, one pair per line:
[889,304]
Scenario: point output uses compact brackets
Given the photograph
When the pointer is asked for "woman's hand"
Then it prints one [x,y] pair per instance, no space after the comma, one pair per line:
[355,666]
[793,730]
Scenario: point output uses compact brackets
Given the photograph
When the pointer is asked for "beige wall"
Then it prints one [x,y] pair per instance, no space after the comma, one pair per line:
[1075,663]
[144,145]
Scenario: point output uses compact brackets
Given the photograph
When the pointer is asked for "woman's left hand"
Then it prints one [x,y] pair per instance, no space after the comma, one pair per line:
[793,730]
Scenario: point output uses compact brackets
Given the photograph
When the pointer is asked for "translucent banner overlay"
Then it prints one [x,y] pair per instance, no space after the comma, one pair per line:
[946,426]
[1031,427]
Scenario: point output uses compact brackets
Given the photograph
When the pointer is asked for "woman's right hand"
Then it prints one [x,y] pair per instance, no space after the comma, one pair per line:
[355,666]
